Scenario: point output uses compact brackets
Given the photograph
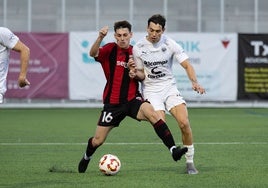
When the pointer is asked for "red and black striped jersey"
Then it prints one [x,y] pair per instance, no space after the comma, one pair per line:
[119,88]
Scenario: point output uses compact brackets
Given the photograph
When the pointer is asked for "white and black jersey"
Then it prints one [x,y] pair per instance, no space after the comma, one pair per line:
[156,60]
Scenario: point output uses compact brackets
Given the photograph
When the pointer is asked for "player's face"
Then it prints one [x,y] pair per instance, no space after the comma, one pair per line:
[123,37]
[154,32]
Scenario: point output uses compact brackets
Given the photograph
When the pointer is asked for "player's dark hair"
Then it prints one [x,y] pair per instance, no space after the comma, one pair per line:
[122,24]
[157,19]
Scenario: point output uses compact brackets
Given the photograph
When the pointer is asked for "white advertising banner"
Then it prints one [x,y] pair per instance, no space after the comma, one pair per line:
[214,57]
[86,79]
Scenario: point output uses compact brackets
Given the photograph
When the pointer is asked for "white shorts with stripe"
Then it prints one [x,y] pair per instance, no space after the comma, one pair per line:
[164,99]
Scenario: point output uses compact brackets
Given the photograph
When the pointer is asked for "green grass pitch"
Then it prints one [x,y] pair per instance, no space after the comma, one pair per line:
[42,148]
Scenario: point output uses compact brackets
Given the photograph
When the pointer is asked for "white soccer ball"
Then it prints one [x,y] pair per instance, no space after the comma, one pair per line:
[109,164]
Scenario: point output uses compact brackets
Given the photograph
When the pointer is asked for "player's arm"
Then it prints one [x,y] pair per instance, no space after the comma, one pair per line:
[94,50]
[134,72]
[24,60]
[192,76]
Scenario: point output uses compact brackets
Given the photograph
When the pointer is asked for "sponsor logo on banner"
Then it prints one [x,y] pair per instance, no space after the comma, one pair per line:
[191,47]
[253,66]
[260,52]
[47,70]
[85,44]
[225,42]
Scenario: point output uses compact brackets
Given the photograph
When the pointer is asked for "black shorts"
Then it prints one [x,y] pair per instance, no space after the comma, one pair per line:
[113,114]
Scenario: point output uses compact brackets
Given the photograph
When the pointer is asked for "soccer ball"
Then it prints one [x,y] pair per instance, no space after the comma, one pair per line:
[109,164]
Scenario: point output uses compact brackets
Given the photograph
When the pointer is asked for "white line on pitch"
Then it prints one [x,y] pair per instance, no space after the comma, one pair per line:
[132,143]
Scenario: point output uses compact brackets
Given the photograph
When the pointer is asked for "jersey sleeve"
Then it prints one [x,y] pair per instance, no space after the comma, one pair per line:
[179,52]
[104,52]
[8,38]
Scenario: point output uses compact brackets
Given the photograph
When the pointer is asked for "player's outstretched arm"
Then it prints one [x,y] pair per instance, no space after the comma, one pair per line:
[24,61]
[192,76]
[94,50]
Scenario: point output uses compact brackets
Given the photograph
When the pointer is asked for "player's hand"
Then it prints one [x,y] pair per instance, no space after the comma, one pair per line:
[198,88]
[131,64]
[103,32]
[132,67]
[22,81]
[132,73]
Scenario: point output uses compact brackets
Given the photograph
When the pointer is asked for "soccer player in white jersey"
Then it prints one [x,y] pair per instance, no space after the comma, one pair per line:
[9,41]
[153,65]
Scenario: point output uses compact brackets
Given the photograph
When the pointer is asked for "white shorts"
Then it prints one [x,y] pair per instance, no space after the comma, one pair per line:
[165,99]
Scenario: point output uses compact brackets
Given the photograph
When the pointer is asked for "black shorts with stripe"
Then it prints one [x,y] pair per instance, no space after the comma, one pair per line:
[113,114]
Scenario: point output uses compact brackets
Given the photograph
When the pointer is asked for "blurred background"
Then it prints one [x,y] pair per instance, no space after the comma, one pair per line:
[87,15]
[220,36]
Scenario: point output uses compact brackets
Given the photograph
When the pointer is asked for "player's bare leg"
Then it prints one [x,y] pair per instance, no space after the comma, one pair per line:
[147,112]
[93,143]
[180,113]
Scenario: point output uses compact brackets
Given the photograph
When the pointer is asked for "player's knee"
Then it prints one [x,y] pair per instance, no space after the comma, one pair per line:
[156,117]
[184,124]
[148,112]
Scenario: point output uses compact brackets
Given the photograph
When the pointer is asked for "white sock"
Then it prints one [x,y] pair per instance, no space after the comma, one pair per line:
[171,149]
[86,157]
[189,155]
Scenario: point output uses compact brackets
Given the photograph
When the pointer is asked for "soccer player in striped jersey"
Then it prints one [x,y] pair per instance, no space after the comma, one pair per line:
[153,59]
[121,96]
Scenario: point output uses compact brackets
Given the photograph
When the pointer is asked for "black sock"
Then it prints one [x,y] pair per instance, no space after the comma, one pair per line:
[90,149]
[164,133]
